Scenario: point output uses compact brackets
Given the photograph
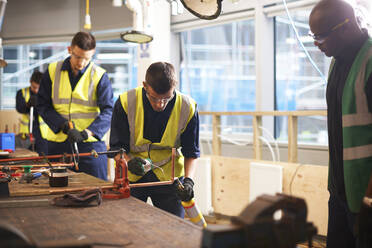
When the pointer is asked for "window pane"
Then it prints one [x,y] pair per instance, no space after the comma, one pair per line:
[218,70]
[299,85]
[118,58]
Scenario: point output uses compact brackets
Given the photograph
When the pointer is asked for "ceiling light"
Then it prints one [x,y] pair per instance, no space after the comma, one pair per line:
[204,9]
[136,36]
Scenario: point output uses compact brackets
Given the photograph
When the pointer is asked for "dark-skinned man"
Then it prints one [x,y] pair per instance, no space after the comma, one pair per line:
[78,91]
[349,99]
[147,122]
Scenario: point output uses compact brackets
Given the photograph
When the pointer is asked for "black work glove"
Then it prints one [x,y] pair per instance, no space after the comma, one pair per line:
[65,127]
[74,135]
[136,166]
[187,192]
[33,101]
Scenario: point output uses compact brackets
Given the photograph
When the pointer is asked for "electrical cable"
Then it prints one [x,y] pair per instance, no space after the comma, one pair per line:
[302,45]
[293,177]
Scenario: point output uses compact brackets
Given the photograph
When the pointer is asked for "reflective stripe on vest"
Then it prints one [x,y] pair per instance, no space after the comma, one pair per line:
[355,112]
[24,126]
[357,128]
[183,111]
[79,105]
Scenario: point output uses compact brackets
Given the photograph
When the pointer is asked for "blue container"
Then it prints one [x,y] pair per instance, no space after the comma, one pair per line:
[7,141]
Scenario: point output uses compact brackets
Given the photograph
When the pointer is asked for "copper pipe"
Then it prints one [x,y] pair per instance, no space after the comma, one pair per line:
[39,165]
[66,190]
[138,185]
[42,157]
[169,182]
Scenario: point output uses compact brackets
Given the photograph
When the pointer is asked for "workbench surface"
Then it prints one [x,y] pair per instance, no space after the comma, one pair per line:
[129,222]
[41,186]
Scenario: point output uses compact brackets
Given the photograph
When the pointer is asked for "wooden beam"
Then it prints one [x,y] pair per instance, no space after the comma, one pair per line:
[270,113]
[257,133]
[216,140]
[292,139]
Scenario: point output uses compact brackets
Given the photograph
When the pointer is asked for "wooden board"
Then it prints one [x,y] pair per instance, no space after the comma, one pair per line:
[22,152]
[41,186]
[126,221]
[230,185]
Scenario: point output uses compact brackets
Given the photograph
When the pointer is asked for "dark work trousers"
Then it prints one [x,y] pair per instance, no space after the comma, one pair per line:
[93,166]
[340,224]
[163,196]
[41,145]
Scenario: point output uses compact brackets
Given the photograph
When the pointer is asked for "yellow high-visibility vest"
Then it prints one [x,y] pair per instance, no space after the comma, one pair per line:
[80,105]
[160,153]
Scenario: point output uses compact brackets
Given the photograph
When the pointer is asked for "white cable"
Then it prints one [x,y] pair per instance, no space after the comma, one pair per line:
[274,140]
[301,44]
[269,146]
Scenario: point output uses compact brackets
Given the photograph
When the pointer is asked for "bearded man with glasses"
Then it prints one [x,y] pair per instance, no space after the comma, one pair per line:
[336,33]
[147,122]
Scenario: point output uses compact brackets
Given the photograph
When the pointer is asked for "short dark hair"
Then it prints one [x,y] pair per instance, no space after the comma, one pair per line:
[36,77]
[161,77]
[84,40]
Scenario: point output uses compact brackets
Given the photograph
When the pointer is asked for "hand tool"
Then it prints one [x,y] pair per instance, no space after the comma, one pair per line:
[71,126]
[32,140]
[121,187]
[192,209]
[256,226]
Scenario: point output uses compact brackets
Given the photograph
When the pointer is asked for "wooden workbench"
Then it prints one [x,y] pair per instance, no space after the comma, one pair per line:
[129,221]
[126,221]
[41,186]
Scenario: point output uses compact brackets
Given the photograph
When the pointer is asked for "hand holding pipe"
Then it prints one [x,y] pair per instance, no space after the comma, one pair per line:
[71,126]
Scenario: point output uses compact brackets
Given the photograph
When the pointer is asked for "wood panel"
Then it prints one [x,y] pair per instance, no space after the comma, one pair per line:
[309,182]
[41,186]
[128,222]
[230,184]
[11,119]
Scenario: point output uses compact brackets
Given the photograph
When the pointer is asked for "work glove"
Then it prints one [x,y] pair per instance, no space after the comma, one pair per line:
[186,193]
[65,127]
[137,166]
[73,135]
[92,197]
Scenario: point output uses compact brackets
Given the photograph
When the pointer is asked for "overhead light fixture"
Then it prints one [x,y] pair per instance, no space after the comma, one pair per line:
[138,34]
[204,9]
[117,3]
[88,23]
[3,63]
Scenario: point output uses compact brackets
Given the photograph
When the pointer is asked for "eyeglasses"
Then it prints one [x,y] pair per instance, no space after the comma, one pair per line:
[320,38]
[80,57]
[159,100]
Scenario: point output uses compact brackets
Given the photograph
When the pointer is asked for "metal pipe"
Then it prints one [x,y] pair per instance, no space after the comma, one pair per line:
[2,12]
[86,154]
[138,185]
[40,157]
[171,181]
[136,6]
[40,165]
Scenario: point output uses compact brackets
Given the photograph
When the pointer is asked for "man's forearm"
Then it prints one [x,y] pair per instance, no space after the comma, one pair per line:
[190,166]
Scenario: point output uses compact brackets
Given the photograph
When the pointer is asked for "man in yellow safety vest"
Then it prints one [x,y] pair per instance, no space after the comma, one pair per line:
[148,122]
